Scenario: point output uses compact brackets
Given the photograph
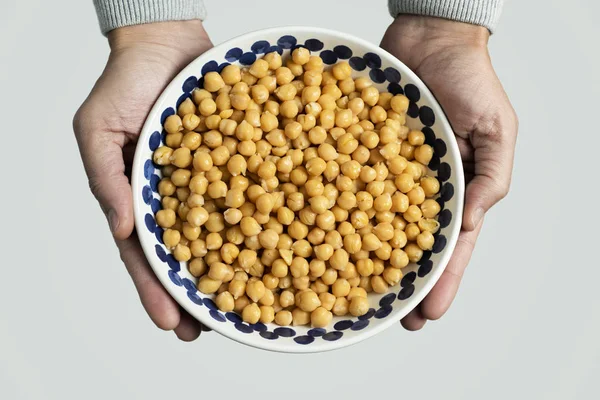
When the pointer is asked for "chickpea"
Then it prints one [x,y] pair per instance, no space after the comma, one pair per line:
[320,317]
[430,208]
[416,196]
[413,251]
[283,318]
[165,218]
[251,313]
[268,239]
[399,104]
[341,306]
[300,317]
[404,182]
[308,301]
[430,185]
[425,240]
[339,259]
[430,225]
[370,242]
[274,60]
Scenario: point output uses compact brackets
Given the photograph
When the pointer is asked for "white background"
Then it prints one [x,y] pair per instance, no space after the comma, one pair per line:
[526,323]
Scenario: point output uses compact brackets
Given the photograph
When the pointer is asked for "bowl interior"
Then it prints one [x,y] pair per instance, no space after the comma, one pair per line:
[424,113]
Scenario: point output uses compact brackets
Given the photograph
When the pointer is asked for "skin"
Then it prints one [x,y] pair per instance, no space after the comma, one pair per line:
[450,57]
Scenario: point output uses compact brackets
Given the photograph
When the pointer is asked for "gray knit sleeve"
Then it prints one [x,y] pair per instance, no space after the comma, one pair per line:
[117,13]
[478,12]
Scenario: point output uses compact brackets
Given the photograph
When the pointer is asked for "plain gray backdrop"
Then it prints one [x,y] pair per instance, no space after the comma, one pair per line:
[526,322]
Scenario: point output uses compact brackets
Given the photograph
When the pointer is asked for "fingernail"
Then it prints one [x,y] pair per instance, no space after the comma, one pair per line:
[477,216]
[113,220]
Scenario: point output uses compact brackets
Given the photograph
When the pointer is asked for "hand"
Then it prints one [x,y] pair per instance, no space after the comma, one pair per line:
[452,59]
[143,60]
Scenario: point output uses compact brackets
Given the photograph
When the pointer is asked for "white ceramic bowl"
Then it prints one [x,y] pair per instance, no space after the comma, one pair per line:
[390,74]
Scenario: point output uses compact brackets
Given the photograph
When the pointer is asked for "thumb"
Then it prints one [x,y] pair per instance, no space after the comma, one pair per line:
[102,155]
[494,154]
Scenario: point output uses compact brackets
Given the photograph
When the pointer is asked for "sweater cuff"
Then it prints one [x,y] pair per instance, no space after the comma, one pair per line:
[477,12]
[114,14]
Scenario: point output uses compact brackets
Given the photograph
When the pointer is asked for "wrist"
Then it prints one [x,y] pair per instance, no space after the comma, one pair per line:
[424,29]
[415,38]
[179,36]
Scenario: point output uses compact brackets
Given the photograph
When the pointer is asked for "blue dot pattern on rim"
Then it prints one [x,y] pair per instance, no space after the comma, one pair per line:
[330,56]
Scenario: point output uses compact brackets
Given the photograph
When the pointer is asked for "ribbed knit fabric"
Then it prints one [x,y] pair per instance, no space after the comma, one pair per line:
[478,12]
[117,13]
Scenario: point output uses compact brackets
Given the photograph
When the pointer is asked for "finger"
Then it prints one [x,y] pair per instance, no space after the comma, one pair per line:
[189,328]
[494,145]
[159,305]
[102,157]
[414,320]
[437,302]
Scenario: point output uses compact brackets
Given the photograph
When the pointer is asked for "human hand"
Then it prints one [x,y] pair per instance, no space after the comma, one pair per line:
[143,60]
[453,60]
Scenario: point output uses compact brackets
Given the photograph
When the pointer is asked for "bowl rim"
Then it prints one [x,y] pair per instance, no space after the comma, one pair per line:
[397,314]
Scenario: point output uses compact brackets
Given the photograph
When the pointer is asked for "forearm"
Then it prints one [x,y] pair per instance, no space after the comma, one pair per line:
[477,12]
[114,14]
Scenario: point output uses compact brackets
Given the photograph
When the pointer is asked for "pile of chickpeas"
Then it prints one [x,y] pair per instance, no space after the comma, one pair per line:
[293,191]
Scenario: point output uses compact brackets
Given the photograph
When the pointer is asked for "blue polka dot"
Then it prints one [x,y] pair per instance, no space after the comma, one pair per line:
[395,88]
[342,52]
[233,317]
[163,137]
[149,221]
[408,279]
[154,180]
[148,169]
[222,66]
[387,300]
[439,244]
[259,327]
[444,218]
[328,57]
[147,194]
[425,269]
[154,141]
[167,113]
[174,277]
[434,163]
[305,339]
[333,336]
[234,54]
[392,74]
[406,292]
[429,135]
[217,315]
[413,110]
[210,66]
[444,172]
[447,191]
[189,284]
[260,47]
[368,315]
[248,58]
[358,325]
[158,233]
[173,263]
[287,41]
[193,296]
[275,48]
[426,256]
[372,60]
[285,332]
[269,335]
[210,304]
[314,44]
[426,116]
[440,148]
[412,92]
[357,63]
[377,75]
[243,328]
[442,204]
[155,205]
[160,253]
[316,332]
[383,312]
[189,84]
[343,325]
